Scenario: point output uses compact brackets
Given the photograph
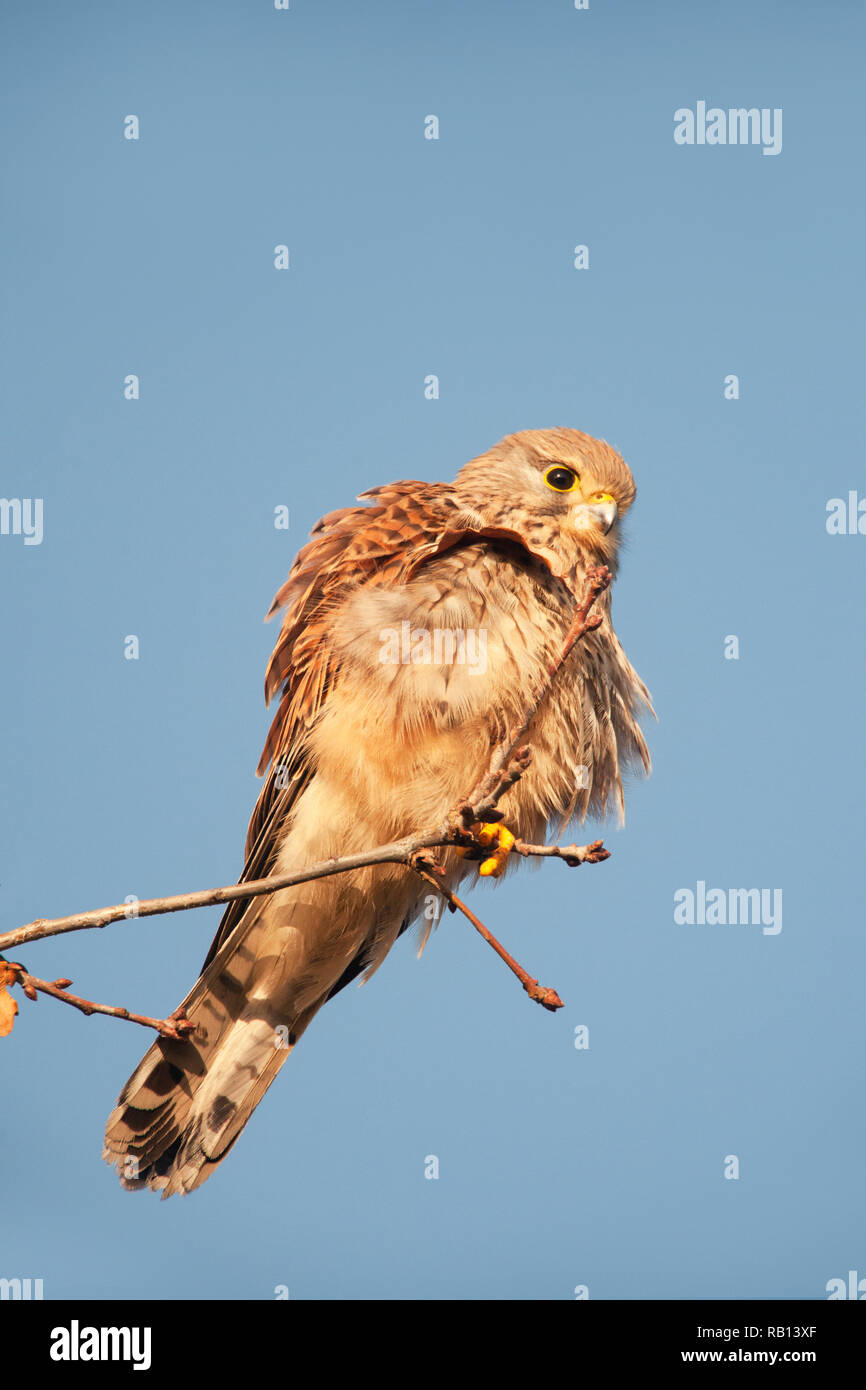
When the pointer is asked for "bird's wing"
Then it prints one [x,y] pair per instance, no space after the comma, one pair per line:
[376,544]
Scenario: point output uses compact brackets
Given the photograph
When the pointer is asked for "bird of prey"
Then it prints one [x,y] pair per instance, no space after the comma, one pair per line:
[379,733]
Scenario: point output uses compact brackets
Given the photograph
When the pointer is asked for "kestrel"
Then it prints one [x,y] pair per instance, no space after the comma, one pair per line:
[414,627]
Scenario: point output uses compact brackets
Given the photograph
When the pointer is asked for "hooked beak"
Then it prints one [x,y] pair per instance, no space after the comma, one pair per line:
[600,513]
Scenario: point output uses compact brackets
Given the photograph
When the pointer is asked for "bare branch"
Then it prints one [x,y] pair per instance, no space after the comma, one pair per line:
[396,853]
[176,1026]
[572,854]
[507,756]
[542,994]
[508,764]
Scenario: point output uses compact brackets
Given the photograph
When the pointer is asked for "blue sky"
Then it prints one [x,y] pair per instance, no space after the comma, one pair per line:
[558,1167]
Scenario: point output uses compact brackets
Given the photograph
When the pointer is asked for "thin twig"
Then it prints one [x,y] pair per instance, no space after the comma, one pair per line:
[507,759]
[176,1026]
[572,854]
[542,994]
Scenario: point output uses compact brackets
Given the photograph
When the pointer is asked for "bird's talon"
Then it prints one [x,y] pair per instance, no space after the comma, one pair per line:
[489,835]
[500,839]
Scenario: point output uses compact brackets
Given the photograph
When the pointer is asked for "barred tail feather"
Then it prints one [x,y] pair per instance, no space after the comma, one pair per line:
[186,1103]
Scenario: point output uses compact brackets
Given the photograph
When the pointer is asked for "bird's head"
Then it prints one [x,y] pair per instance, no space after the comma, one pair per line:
[558,488]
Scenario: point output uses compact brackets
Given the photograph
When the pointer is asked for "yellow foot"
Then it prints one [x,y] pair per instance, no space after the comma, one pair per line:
[493,835]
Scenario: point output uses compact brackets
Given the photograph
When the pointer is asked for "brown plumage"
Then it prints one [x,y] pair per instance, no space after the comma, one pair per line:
[373,740]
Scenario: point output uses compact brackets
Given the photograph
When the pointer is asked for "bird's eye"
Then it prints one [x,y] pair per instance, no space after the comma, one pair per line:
[561,479]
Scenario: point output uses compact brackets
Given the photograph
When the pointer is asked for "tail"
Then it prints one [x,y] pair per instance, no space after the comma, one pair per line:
[186,1103]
